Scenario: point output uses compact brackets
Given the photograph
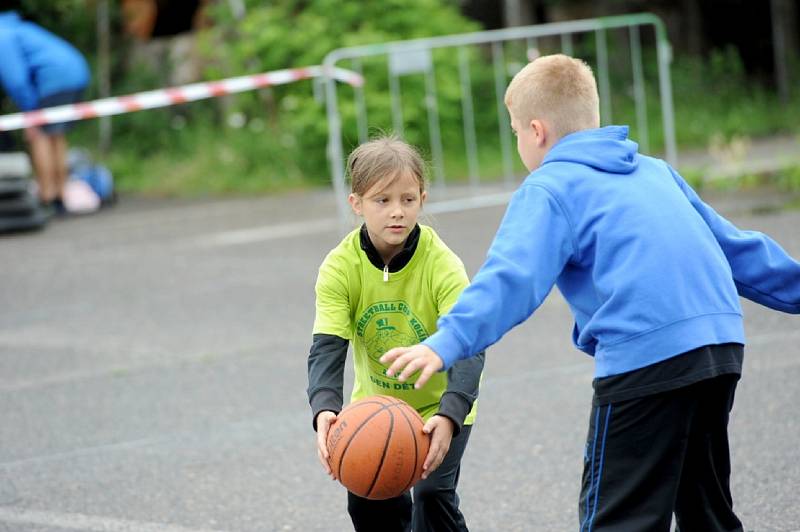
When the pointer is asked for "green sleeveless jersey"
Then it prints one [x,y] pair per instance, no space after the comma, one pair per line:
[377,311]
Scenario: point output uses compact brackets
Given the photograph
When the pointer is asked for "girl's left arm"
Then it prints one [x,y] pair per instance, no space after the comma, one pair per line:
[463,383]
[464,377]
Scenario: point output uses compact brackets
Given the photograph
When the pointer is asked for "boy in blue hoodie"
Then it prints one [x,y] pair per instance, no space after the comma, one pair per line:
[652,276]
[39,69]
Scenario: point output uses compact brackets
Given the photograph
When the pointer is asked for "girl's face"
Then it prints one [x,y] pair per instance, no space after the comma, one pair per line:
[390,212]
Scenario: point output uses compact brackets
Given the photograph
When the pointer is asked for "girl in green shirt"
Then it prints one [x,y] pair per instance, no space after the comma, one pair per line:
[385,285]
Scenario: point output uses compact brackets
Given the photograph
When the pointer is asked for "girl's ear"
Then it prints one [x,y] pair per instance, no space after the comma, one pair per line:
[355,203]
[423,197]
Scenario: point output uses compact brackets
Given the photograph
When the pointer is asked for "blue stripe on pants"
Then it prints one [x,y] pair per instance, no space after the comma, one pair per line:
[591,469]
[595,476]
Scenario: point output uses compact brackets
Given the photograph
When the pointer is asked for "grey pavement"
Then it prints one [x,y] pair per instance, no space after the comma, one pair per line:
[726,159]
[153,374]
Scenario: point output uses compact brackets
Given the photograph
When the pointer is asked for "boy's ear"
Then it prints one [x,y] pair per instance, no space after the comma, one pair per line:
[540,130]
[355,203]
[423,196]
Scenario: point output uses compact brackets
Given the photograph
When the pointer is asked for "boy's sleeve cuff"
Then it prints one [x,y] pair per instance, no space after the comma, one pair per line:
[446,345]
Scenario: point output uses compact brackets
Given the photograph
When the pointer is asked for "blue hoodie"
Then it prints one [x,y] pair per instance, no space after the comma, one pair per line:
[35,63]
[649,270]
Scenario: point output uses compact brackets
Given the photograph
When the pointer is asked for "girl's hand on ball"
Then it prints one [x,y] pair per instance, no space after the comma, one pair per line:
[324,421]
[441,430]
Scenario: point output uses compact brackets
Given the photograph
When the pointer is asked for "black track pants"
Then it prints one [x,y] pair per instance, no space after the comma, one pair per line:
[653,456]
[435,506]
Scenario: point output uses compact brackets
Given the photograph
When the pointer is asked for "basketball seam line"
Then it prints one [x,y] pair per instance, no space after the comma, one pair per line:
[399,403]
[353,435]
[383,456]
[358,429]
[416,450]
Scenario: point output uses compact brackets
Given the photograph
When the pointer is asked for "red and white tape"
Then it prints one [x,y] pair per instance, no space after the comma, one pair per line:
[170,96]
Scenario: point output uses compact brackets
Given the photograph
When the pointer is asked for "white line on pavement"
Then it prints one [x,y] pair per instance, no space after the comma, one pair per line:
[467,203]
[274,232]
[264,233]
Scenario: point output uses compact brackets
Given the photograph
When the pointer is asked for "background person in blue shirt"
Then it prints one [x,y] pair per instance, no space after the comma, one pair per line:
[37,70]
[652,276]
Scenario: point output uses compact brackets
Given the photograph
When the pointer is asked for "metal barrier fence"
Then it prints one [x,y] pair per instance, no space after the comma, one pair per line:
[484,55]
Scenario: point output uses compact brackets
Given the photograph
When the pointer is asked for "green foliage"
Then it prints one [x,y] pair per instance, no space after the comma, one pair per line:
[715,97]
[207,160]
[73,20]
[276,138]
[293,33]
[789,179]
[282,132]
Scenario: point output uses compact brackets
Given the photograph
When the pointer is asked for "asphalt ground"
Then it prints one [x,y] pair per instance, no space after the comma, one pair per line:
[153,375]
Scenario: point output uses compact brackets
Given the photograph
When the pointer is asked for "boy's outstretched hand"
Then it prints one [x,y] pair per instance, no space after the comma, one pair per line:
[409,360]
[441,430]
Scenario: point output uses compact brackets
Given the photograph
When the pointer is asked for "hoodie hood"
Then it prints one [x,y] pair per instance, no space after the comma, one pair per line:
[9,18]
[607,149]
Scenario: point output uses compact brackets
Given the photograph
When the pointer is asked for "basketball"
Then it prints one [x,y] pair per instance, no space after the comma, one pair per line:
[377,447]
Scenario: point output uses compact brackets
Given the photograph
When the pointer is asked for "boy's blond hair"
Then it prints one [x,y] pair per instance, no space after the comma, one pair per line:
[383,157]
[557,89]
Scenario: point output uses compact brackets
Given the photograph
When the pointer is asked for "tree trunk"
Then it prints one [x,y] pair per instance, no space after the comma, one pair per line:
[519,13]
[784,44]
[104,71]
[693,18]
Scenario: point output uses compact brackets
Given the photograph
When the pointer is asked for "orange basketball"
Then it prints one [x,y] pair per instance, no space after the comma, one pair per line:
[377,447]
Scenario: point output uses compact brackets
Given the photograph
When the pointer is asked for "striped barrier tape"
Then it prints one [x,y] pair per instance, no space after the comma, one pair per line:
[170,96]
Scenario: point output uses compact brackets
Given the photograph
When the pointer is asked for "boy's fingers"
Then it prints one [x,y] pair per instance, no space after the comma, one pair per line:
[396,366]
[411,367]
[392,354]
[426,374]
[401,358]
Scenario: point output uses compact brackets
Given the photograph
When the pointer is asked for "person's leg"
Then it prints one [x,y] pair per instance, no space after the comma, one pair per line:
[704,502]
[632,463]
[58,146]
[435,498]
[43,162]
[390,515]
[48,148]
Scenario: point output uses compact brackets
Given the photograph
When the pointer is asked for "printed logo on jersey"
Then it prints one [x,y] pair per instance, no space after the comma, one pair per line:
[385,325]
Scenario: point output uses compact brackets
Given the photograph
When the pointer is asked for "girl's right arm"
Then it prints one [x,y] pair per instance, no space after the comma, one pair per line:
[328,352]
[325,382]
[326,361]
